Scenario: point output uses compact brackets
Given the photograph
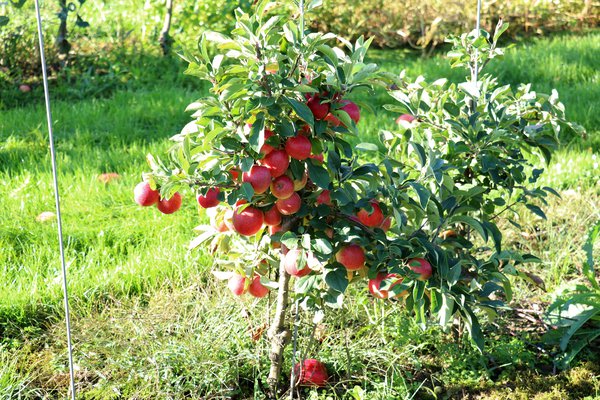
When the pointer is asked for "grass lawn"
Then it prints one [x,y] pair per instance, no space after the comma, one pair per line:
[150,321]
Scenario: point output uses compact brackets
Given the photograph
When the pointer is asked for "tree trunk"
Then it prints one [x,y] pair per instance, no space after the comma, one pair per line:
[165,39]
[62,43]
[279,333]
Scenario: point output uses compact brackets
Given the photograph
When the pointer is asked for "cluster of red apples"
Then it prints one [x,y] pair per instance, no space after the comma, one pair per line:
[271,176]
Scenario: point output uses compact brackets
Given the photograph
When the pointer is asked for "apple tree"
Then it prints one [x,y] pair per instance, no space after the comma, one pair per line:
[272,154]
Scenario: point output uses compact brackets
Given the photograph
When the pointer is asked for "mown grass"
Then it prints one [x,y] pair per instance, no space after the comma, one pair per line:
[150,321]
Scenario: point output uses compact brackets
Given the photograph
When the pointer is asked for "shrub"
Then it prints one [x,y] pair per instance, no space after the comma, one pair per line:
[427,23]
[453,166]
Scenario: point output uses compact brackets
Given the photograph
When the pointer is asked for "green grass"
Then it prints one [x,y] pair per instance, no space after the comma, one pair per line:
[149,319]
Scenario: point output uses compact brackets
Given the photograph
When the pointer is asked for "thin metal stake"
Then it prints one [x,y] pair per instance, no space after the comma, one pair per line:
[477,28]
[56,198]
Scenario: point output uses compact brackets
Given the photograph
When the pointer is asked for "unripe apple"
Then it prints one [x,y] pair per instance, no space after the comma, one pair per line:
[248,222]
[351,256]
[298,147]
[169,206]
[259,177]
[319,110]
[290,263]
[373,219]
[282,187]
[421,267]
[351,109]
[228,219]
[257,289]
[405,117]
[237,284]
[210,199]
[312,373]
[267,148]
[144,195]
[375,285]
[289,206]
[299,184]
[277,162]
[324,198]
[272,217]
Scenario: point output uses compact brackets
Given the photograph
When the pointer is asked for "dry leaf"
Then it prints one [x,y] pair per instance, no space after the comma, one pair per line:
[108,177]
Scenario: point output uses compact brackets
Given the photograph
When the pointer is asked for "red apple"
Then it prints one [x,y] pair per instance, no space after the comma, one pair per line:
[289,206]
[351,256]
[228,219]
[351,109]
[235,174]
[333,120]
[375,285]
[273,229]
[25,88]
[373,219]
[210,199]
[312,373]
[282,187]
[298,147]
[257,289]
[421,267]
[272,217]
[248,221]
[386,224]
[290,263]
[324,198]
[319,110]
[169,206]
[405,117]
[277,162]
[144,195]
[319,157]
[237,284]
[259,177]
[267,148]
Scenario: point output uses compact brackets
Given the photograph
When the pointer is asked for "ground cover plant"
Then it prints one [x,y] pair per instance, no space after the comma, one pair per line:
[134,284]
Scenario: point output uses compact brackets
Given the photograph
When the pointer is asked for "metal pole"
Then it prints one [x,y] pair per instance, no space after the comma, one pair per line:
[56,198]
[477,28]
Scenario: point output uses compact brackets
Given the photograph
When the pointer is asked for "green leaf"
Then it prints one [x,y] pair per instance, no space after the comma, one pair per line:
[472,222]
[367,147]
[422,192]
[318,175]
[247,191]
[536,210]
[337,279]
[257,137]
[496,234]
[301,110]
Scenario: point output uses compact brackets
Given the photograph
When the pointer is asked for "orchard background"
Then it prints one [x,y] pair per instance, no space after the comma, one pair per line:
[150,320]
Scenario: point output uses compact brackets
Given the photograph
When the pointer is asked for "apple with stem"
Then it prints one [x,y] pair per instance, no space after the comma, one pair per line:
[169,206]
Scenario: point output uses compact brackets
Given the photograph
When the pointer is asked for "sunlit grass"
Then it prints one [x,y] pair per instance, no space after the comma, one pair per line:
[133,282]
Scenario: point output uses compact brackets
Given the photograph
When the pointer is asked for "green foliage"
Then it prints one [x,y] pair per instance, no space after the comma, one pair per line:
[421,24]
[459,166]
[574,315]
